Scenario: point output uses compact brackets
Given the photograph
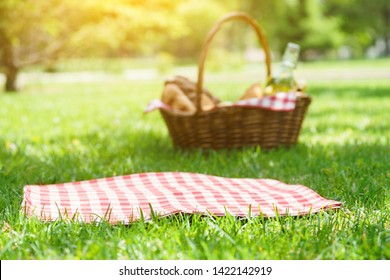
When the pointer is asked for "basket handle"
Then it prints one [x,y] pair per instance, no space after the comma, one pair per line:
[229,17]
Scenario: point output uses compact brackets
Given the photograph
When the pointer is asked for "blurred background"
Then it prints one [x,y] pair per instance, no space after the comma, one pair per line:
[154,36]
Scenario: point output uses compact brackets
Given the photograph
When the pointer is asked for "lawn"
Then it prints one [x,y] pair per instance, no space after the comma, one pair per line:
[57,131]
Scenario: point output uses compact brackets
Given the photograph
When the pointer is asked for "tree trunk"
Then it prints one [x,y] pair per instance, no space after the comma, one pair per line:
[9,65]
[11,76]
[386,19]
[387,45]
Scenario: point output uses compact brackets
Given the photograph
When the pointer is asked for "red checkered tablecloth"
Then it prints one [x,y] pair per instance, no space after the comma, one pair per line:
[281,101]
[124,199]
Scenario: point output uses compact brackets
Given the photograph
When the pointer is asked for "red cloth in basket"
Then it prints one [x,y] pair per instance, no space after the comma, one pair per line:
[281,101]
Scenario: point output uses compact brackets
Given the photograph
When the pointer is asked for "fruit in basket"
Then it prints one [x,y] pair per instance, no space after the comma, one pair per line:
[174,97]
[254,91]
[208,102]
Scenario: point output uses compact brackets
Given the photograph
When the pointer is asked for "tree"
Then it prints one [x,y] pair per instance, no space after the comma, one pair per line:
[321,32]
[300,21]
[125,27]
[270,15]
[37,31]
[364,21]
[34,32]
[198,17]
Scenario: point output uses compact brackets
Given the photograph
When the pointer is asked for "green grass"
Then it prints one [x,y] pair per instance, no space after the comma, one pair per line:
[53,132]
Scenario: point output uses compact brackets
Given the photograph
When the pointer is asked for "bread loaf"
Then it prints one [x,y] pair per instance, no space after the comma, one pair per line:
[188,88]
[175,98]
[254,91]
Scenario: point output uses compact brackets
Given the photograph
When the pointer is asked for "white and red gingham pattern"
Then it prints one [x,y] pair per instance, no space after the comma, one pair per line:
[281,101]
[125,199]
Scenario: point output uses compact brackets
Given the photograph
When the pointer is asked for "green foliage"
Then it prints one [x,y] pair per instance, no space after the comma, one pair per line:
[198,16]
[300,21]
[55,29]
[87,27]
[123,27]
[41,34]
[363,22]
[320,32]
[59,132]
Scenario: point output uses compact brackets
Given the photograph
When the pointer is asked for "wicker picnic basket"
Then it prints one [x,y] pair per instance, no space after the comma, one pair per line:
[231,126]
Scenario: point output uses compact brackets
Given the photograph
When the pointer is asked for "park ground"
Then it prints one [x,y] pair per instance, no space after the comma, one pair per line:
[71,126]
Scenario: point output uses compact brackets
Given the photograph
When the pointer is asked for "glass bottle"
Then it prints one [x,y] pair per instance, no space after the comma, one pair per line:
[282,79]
